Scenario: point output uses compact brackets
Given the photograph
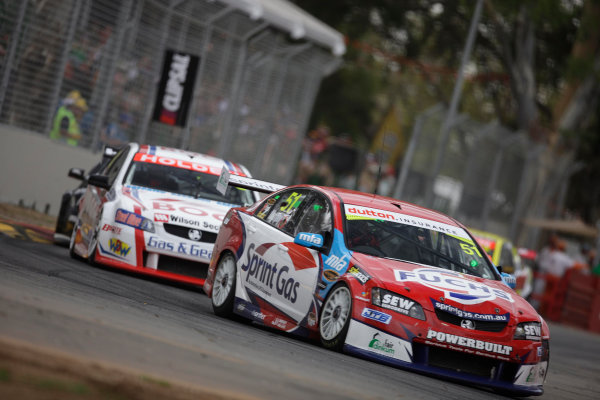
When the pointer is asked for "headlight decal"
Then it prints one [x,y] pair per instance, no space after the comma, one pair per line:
[396,302]
[529,331]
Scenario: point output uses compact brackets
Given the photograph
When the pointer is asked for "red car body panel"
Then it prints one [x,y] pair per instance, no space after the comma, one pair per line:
[387,334]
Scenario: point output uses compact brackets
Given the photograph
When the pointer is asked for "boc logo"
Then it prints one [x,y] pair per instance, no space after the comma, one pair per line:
[454,285]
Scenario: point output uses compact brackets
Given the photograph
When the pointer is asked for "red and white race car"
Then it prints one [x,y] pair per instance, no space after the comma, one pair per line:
[379,278]
[155,210]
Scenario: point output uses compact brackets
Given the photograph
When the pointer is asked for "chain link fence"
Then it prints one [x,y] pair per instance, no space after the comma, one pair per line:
[254,88]
[490,178]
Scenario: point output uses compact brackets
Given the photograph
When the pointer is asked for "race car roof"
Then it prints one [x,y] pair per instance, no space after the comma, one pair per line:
[390,204]
[184,155]
[292,19]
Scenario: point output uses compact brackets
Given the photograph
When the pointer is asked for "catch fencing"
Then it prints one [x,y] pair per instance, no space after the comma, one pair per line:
[489,178]
[254,90]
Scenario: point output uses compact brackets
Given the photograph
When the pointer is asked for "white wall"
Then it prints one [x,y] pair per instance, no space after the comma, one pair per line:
[34,168]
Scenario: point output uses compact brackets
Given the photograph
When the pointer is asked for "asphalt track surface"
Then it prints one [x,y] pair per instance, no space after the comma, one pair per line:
[49,300]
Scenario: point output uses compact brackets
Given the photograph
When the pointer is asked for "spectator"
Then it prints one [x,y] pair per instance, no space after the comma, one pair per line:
[116,134]
[66,126]
[553,260]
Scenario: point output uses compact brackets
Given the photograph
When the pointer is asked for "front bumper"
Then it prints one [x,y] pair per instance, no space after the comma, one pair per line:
[417,354]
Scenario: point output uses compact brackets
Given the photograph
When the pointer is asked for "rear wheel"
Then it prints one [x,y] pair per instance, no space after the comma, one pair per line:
[223,291]
[335,317]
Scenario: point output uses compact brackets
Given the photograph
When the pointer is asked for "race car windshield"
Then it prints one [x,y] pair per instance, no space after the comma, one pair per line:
[185,182]
[417,240]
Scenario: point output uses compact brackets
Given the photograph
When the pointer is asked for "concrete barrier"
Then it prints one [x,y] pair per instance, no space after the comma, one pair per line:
[33,168]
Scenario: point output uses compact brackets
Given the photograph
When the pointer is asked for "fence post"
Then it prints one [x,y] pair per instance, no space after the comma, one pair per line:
[494,180]
[121,25]
[309,99]
[275,101]
[410,151]
[11,52]
[523,184]
[449,121]
[60,73]
[166,23]
[469,166]
[237,83]
[185,140]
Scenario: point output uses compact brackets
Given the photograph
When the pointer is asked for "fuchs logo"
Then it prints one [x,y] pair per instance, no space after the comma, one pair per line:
[454,285]
[385,346]
[118,247]
[161,217]
[376,315]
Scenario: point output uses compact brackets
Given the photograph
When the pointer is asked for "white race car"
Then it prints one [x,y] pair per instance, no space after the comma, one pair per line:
[156,210]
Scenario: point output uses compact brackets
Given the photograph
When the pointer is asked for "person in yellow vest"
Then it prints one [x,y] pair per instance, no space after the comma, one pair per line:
[66,122]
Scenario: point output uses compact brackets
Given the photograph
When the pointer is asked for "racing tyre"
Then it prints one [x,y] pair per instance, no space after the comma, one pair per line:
[92,248]
[223,291]
[335,317]
[93,245]
[72,253]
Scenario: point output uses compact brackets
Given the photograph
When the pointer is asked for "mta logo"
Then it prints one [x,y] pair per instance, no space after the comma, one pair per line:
[337,263]
[118,247]
[311,238]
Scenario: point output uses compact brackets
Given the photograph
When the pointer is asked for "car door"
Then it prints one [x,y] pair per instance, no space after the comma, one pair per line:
[272,267]
[94,197]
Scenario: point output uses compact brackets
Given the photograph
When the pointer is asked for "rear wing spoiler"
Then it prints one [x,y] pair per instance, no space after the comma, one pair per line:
[227,179]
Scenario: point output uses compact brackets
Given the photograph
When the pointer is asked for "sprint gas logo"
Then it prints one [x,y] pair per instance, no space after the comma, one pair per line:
[118,247]
[454,285]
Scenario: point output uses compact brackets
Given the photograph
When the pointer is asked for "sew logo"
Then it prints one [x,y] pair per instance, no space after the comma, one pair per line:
[118,247]
[453,284]
[161,217]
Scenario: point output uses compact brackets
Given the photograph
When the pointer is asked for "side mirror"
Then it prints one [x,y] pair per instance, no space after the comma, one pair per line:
[508,279]
[311,240]
[99,180]
[77,173]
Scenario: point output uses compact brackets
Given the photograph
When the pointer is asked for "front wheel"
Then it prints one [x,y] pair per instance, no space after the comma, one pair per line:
[72,242]
[223,291]
[335,317]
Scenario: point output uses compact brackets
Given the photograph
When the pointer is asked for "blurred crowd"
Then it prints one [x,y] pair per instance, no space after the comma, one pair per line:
[553,259]
[86,64]
[336,161]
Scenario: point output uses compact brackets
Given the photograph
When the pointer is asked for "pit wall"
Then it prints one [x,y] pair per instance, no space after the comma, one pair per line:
[33,168]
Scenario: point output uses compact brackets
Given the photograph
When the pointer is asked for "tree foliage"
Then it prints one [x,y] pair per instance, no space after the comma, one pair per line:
[535,65]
